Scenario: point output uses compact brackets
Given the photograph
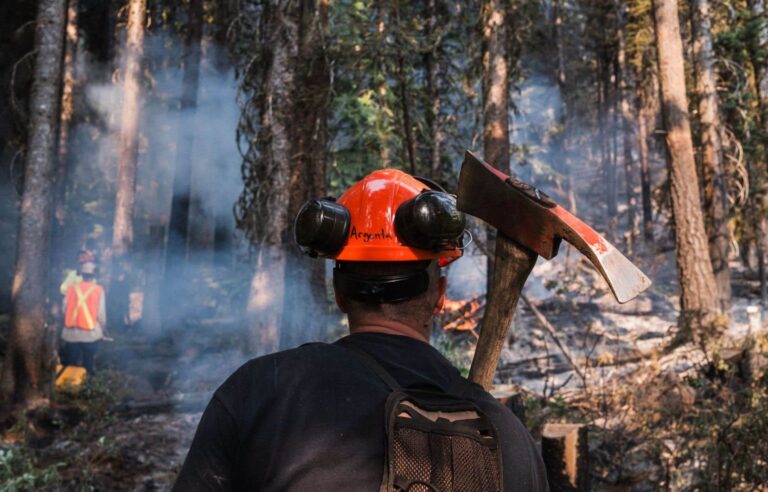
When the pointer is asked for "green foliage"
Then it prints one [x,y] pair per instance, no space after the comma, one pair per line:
[18,471]
[727,427]
[382,53]
[741,56]
[455,353]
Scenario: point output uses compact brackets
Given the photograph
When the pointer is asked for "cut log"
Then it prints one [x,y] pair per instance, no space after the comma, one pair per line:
[566,457]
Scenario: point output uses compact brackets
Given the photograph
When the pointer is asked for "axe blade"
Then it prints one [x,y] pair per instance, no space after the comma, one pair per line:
[530,218]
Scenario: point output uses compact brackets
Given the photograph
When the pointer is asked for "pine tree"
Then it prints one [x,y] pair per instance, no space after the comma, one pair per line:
[28,364]
[122,232]
[698,297]
[715,199]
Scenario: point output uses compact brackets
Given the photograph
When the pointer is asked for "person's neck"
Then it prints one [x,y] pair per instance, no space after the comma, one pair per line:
[389,327]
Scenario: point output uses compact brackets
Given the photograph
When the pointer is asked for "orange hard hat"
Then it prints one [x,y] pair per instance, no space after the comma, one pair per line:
[387,216]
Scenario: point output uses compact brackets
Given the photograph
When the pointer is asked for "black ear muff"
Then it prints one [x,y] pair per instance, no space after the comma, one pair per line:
[321,227]
[430,220]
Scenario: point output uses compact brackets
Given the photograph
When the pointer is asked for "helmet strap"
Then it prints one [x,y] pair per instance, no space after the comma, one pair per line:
[381,289]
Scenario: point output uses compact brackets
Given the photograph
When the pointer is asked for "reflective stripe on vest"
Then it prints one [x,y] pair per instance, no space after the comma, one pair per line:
[81,308]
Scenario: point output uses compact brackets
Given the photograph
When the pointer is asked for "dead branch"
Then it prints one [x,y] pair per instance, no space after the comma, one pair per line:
[551,331]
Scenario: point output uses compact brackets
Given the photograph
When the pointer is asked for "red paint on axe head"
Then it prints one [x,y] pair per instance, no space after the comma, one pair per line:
[534,221]
[589,235]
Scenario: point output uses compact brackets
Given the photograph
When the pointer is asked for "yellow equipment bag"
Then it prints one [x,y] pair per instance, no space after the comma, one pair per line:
[70,378]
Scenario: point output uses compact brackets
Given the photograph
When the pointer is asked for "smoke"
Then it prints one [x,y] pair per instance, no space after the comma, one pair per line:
[207,130]
[193,301]
[563,161]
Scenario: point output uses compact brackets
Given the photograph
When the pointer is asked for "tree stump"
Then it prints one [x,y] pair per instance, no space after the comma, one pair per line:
[511,399]
[566,457]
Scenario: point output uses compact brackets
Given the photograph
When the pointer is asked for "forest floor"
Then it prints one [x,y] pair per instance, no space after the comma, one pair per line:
[130,427]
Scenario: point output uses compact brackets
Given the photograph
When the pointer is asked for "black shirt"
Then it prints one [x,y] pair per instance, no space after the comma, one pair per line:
[312,418]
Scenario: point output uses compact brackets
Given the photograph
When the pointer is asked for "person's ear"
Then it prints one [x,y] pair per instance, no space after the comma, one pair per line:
[442,286]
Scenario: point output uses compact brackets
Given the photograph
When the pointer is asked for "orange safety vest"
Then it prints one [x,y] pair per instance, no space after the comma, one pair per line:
[83,305]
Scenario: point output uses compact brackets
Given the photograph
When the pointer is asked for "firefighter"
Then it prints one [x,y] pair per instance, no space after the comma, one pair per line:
[313,418]
[84,319]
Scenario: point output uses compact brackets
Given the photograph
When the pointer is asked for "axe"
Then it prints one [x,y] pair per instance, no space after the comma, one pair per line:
[530,224]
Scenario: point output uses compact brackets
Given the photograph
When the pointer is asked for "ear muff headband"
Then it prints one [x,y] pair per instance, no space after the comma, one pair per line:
[433,185]
[386,289]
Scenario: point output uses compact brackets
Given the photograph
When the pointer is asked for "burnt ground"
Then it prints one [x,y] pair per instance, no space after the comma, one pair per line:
[131,425]
[129,429]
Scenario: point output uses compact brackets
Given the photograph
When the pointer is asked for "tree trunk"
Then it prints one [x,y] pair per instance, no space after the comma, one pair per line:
[761,64]
[495,100]
[28,365]
[761,241]
[715,200]
[305,303]
[434,71]
[759,170]
[265,301]
[561,142]
[606,116]
[629,133]
[402,86]
[269,217]
[645,170]
[122,233]
[515,262]
[120,276]
[67,109]
[612,88]
[698,297]
[178,234]
[152,258]
[177,275]
[69,79]
[202,221]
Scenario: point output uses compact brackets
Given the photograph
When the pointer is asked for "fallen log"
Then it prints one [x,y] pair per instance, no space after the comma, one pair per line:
[179,403]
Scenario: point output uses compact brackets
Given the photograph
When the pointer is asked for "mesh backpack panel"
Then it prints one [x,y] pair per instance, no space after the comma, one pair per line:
[437,441]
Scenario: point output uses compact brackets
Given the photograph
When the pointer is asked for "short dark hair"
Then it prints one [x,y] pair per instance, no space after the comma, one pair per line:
[374,271]
[415,306]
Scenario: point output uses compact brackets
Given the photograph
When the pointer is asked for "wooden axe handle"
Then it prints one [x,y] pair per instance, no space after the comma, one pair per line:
[512,265]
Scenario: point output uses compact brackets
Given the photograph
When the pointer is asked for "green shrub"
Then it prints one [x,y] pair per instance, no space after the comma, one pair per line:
[18,471]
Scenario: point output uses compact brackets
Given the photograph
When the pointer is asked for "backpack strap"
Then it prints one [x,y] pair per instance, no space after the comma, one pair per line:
[372,364]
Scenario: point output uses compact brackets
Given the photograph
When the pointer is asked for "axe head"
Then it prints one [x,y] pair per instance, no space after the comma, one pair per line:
[534,221]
